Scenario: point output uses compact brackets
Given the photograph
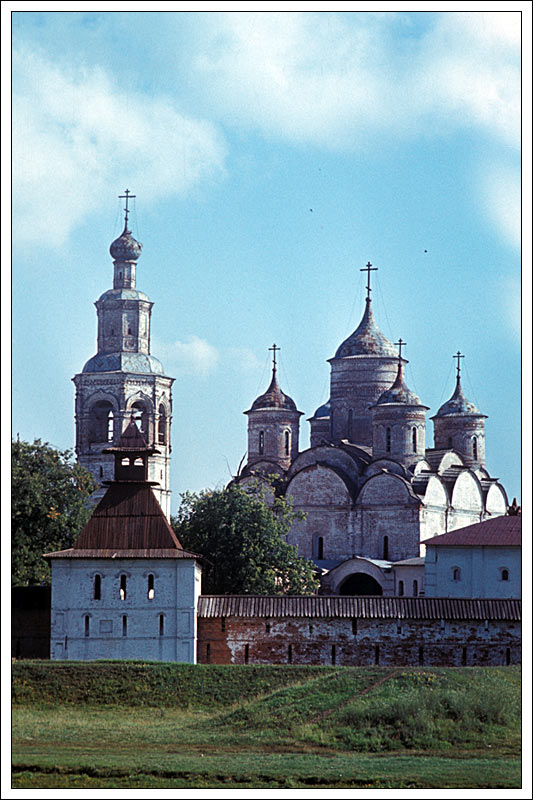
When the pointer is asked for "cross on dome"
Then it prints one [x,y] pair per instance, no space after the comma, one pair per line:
[274,348]
[458,356]
[126,197]
[400,343]
[368,269]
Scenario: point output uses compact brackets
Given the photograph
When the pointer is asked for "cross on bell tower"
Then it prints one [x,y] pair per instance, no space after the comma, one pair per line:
[274,348]
[126,196]
[400,343]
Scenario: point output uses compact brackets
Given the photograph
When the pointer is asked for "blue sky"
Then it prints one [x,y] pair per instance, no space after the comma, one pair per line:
[272,155]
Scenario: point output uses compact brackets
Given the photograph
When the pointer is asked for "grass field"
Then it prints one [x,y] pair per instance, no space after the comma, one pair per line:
[125,724]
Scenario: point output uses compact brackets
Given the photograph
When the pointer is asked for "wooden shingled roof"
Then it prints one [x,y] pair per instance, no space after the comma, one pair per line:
[329,607]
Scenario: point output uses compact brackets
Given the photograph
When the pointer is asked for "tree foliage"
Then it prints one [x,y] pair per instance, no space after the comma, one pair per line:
[48,507]
[244,539]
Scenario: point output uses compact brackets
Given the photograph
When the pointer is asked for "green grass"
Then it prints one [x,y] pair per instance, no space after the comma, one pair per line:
[264,727]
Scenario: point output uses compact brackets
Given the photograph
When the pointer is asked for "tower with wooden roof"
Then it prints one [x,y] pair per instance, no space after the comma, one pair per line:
[126,589]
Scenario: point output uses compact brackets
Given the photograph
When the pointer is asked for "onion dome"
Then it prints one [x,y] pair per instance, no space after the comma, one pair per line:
[398,392]
[367,339]
[274,397]
[458,404]
[125,248]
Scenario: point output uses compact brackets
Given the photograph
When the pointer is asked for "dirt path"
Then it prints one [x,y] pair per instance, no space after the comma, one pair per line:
[370,688]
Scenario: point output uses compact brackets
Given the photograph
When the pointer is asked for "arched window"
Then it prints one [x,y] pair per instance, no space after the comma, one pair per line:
[387,440]
[86,625]
[505,574]
[97,587]
[140,415]
[474,448]
[414,434]
[151,587]
[261,442]
[123,582]
[162,426]
[320,548]
[287,443]
[400,588]
[124,625]
[101,422]
[161,624]
[415,588]
[386,548]
[456,574]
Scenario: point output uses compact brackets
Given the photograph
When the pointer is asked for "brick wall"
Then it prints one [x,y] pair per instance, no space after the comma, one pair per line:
[359,642]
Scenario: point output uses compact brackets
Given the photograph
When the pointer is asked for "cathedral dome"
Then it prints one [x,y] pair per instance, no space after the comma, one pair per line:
[458,404]
[274,398]
[124,294]
[398,392]
[367,339]
[323,411]
[125,248]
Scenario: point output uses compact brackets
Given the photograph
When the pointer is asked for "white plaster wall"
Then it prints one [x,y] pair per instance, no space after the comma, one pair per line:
[177,588]
[480,571]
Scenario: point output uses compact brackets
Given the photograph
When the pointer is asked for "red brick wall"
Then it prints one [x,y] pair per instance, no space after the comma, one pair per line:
[364,642]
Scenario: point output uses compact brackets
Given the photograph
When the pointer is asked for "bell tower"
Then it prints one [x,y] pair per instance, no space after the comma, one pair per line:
[123,381]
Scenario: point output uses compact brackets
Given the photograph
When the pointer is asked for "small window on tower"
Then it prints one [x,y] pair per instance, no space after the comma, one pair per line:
[414,432]
[97,587]
[287,443]
[261,442]
[129,330]
[387,440]
[151,587]
[123,581]
[386,548]
[320,548]
[450,445]
[474,447]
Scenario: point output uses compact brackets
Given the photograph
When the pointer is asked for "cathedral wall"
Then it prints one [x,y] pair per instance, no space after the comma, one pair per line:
[341,641]
[391,534]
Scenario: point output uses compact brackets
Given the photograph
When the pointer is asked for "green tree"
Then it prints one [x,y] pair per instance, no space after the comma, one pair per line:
[48,507]
[243,537]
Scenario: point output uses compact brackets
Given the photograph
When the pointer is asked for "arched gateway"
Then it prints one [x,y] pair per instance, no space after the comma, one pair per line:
[359,583]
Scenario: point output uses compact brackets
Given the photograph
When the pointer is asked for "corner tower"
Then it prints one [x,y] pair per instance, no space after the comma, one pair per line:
[363,367]
[123,378]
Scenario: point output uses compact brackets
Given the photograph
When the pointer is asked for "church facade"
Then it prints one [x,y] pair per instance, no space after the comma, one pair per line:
[371,489]
[123,378]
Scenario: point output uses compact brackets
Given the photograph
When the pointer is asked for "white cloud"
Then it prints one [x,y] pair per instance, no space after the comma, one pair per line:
[501,195]
[76,137]
[243,359]
[337,80]
[194,356]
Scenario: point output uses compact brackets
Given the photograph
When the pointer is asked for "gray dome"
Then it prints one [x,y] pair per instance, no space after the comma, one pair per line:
[274,398]
[398,392]
[125,248]
[367,339]
[124,294]
[124,362]
[458,404]
[323,411]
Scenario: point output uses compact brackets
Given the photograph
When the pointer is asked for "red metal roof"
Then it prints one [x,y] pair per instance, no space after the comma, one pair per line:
[210,606]
[497,532]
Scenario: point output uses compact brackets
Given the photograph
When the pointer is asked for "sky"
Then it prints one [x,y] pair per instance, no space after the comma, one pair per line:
[272,155]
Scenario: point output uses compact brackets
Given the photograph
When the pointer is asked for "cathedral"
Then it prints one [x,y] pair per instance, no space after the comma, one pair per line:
[371,490]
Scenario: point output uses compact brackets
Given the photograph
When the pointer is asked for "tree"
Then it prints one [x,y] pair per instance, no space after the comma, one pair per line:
[244,541]
[48,507]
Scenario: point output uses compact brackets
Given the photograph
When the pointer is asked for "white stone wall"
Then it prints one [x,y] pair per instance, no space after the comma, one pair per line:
[177,586]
